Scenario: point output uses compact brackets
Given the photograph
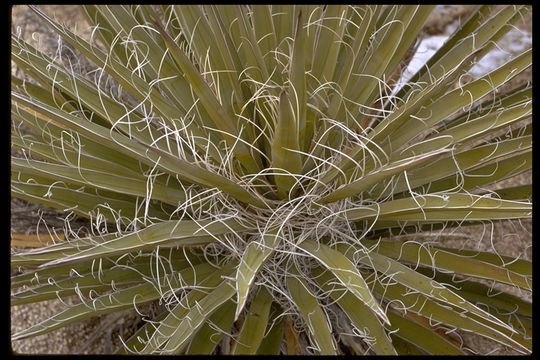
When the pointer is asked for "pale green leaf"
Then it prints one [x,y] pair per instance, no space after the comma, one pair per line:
[445,259]
[345,271]
[483,294]
[363,318]
[273,337]
[423,337]
[425,285]
[178,318]
[253,258]
[102,180]
[145,153]
[284,145]
[254,326]
[451,207]
[367,181]
[196,316]
[184,232]
[208,337]
[450,314]
[123,299]
[221,118]
[314,316]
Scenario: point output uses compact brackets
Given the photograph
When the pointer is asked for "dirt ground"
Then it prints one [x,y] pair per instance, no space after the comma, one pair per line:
[100,335]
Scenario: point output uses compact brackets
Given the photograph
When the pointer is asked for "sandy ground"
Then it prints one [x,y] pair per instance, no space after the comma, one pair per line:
[100,335]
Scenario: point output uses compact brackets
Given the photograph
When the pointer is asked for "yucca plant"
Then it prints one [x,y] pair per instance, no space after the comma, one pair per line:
[260,174]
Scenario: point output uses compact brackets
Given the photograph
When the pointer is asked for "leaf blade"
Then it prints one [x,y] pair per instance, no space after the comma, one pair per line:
[319,328]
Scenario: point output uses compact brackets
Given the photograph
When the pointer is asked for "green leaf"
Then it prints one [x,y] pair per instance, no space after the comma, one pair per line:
[446,207]
[103,180]
[483,294]
[245,40]
[425,285]
[129,80]
[136,342]
[384,45]
[116,277]
[449,314]
[62,151]
[351,59]
[41,128]
[297,90]
[145,153]
[254,326]
[208,337]
[271,342]
[456,99]
[196,316]
[283,18]
[123,21]
[445,166]
[345,271]
[512,264]
[422,284]
[407,42]
[32,277]
[314,316]
[208,40]
[229,55]
[179,313]
[517,193]
[475,34]
[253,258]
[123,299]
[332,27]
[79,202]
[60,272]
[183,232]
[510,98]
[38,256]
[219,115]
[202,176]
[122,273]
[104,31]
[365,182]
[284,146]
[446,259]
[486,174]
[481,126]
[363,318]
[98,106]
[421,336]
[263,27]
